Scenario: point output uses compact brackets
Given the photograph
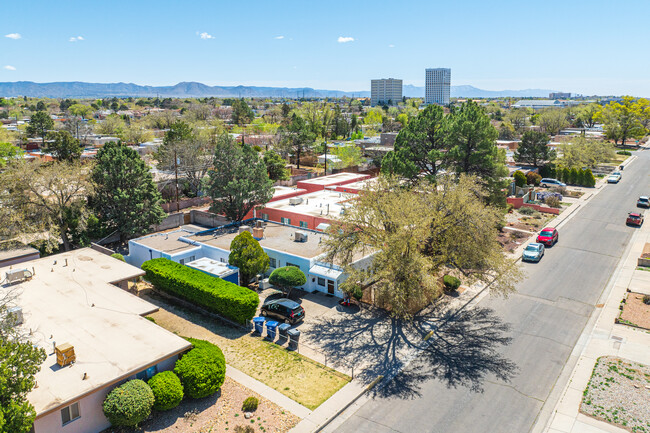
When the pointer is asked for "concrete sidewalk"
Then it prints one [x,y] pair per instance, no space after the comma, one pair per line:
[603,337]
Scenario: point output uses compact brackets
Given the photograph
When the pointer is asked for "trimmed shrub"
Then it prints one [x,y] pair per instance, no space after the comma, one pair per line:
[624,152]
[533,178]
[552,201]
[167,390]
[118,256]
[589,179]
[202,370]
[547,170]
[451,283]
[525,210]
[520,178]
[250,404]
[129,404]
[222,297]
[287,278]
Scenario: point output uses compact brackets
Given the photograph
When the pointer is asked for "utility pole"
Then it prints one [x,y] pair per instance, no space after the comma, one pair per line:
[176,171]
[325,157]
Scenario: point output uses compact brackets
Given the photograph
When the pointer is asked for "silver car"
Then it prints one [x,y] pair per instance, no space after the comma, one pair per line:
[533,252]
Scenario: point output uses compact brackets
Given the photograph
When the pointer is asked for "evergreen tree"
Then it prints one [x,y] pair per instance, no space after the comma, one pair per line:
[125,197]
[275,166]
[247,254]
[64,146]
[39,124]
[533,149]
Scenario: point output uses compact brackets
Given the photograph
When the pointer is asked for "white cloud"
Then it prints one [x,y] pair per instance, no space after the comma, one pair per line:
[10,68]
[279,37]
[391,46]
[206,35]
[76,38]
[344,39]
[13,36]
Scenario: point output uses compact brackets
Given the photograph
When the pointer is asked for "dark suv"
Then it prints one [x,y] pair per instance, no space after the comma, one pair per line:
[284,310]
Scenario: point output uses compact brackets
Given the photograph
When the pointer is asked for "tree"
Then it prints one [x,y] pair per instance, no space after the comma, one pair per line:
[296,136]
[63,146]
[241,112]
[518,118]
[506,131]
[626,120]
[552,121]
[113,125]
[239,180]
[46,201]
[125,197]
[20,360]
[288,278]
[533,149]
[80,110]
[520,178]
[587,115]
[39,124]
[374,117]
[247,254]
[8,152]
[275,166]
[582,152]
[349,156]
[420,147]
[472,142]
[418,235]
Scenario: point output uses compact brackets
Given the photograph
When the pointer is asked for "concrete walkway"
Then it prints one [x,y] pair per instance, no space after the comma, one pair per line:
[604,337]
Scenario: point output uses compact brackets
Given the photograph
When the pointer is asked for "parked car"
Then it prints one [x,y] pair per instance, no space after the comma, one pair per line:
[548,236]
[284,310]
[643,201]
[634,219]
[533,253]
[547,182]
[614,177]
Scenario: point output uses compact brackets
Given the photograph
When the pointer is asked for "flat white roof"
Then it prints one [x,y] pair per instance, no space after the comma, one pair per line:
[212,267]
[335,178]
[75,303]
[325,203]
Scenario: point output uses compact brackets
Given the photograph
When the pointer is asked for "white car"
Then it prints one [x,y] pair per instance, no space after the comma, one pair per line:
[614,177]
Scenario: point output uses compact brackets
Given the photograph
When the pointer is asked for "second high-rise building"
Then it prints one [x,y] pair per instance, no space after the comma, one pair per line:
[385,91]
[437,86]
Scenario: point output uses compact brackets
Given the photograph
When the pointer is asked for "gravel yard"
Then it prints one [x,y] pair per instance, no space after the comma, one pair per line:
[619,393]
[635,312]
[219,413]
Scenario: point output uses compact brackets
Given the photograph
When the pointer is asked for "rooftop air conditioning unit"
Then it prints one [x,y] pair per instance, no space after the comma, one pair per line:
[264,284]
[15,316]
[300,237]
[295,200]
[243,229]
[18,275]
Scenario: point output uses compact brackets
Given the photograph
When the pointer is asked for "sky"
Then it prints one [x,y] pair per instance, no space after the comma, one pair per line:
[586,47]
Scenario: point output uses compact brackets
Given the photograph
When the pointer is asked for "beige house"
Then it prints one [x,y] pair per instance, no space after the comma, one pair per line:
[72,303]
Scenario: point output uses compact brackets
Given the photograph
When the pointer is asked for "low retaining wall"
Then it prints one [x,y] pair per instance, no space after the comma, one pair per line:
[185,203]
[518,202]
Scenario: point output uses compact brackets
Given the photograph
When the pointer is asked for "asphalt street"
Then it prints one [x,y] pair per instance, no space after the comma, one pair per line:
[547,314]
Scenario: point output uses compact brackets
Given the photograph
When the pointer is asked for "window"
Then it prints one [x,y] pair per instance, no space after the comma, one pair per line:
[321,281]
[272,262]
[286,221]
[70,413]
[191,259]
[304,224]
[181,261]
[264,216]
[147,374]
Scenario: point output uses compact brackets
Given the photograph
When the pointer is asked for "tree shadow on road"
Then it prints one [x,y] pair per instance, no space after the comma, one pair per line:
[461,349]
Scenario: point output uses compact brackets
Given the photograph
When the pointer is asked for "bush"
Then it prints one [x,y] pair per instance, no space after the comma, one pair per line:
[129,404]
[244,429]
[167,390]
[509,207]
[547,170]
[533,178]
[624,152]
[151,319]
[451,283]
[646,299]
[288,277]
[589,179]
[559,189]
[552,201]
[202,370]
[118,256]
[520,179]
[217,295]
[250,404]
[525,210]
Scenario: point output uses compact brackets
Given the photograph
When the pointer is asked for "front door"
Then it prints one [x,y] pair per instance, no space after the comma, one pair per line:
[330,287]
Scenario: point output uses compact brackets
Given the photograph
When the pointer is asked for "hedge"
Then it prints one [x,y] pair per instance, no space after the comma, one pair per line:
[202,370]
[129,404]
[167,390]
[222,297]
[451,283]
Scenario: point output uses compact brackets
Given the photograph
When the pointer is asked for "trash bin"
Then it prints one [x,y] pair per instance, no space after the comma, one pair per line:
[258,322]
[283,328]
[271,327]
[294,336]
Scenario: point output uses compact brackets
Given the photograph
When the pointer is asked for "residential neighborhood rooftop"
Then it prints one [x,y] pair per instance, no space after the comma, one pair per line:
[70,300]
[323,203]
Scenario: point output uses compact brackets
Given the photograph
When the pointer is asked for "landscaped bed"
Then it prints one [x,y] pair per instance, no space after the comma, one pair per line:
[299,378]
[618,393]
[218,413]
[635,312]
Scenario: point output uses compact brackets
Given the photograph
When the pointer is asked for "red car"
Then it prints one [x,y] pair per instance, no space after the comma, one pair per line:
[634,219]
[548,236]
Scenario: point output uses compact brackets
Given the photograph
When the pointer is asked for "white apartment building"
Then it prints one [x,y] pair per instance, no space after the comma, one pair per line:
[385,90]
[437,86]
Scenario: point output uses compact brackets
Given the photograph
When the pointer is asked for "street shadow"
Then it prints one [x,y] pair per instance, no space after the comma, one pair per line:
[458,350]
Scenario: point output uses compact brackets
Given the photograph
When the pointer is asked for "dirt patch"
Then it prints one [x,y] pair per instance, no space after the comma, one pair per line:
[218,413]
[299,378]
[635,312]
[618,394]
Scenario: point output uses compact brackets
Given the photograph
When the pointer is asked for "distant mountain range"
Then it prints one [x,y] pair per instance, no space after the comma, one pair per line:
[78,89]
